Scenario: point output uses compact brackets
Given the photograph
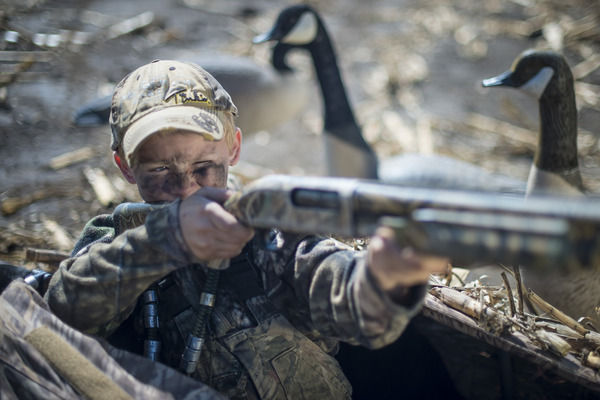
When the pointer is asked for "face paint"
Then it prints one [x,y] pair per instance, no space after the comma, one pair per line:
[175,165]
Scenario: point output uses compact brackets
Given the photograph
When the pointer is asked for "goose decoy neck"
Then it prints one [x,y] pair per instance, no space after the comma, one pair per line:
[349,153]
[338,112]
[278,55]
[557,142]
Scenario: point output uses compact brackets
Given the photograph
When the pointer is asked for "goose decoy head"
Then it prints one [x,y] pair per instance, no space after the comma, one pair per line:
[533,71]
[296,25]
[546,76]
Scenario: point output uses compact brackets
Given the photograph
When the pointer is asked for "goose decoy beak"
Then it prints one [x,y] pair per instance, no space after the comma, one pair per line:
[297,25]
[535,86]
[272,34]
[282,26]
[504,79]
[531,73]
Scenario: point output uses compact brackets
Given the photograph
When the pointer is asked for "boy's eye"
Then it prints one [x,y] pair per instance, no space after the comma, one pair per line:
[202,167]
[159,169]
[201,170]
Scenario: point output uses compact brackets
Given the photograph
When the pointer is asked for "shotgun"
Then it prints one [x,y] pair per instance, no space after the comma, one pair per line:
[471,228]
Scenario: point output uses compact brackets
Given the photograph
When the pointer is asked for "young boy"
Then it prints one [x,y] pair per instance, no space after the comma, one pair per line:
[277,316]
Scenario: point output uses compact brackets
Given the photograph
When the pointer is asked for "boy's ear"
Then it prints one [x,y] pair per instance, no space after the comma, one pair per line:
[236,148]
[124,167]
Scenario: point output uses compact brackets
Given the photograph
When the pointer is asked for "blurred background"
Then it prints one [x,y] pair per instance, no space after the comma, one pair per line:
[412,69]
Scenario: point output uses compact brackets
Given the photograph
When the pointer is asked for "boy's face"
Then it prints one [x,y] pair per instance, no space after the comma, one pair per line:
[174,165]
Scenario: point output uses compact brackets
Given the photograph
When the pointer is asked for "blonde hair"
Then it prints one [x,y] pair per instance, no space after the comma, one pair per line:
[229,128]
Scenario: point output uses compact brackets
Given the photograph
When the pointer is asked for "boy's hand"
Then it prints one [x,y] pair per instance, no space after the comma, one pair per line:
[396,268]
[208,229]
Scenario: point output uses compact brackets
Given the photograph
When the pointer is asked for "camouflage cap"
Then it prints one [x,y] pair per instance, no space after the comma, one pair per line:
[167,95]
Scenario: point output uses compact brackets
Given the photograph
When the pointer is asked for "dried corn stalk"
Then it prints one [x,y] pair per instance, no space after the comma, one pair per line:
[591,359]
[473,308]
[553,342]
[559,315]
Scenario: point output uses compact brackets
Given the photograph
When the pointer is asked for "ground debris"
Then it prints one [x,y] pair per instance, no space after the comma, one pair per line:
[105,191]
[130,25]
[50,257]
[552,340]
[72,157]
[6,78]
[13,204]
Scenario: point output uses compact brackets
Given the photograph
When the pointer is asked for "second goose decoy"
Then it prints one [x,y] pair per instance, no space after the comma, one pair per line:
[266,96]
[347,152]
[547,77]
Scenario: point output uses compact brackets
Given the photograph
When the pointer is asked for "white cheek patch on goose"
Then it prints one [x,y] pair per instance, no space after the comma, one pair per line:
[304,32]
[536,85]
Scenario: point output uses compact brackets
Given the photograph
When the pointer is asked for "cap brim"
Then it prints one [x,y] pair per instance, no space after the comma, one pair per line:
[193,119]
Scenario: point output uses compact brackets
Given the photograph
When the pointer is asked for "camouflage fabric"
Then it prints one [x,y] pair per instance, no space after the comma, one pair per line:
[25,373]
[278,343]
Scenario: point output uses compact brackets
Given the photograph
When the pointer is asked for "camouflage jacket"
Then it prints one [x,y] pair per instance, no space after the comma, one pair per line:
[278,343]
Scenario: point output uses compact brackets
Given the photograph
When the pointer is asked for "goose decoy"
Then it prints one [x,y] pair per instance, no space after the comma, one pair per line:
[547,77]
[265,95]
[347,152]
[93,113]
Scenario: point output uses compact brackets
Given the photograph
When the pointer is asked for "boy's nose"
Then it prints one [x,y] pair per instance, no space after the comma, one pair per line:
[184,185]
[188,191]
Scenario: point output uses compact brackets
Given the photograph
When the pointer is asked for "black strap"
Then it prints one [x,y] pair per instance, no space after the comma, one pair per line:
[171,299]
[241,278]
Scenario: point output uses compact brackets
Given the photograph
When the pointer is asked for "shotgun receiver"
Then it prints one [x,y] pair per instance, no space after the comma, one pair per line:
[471,228]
